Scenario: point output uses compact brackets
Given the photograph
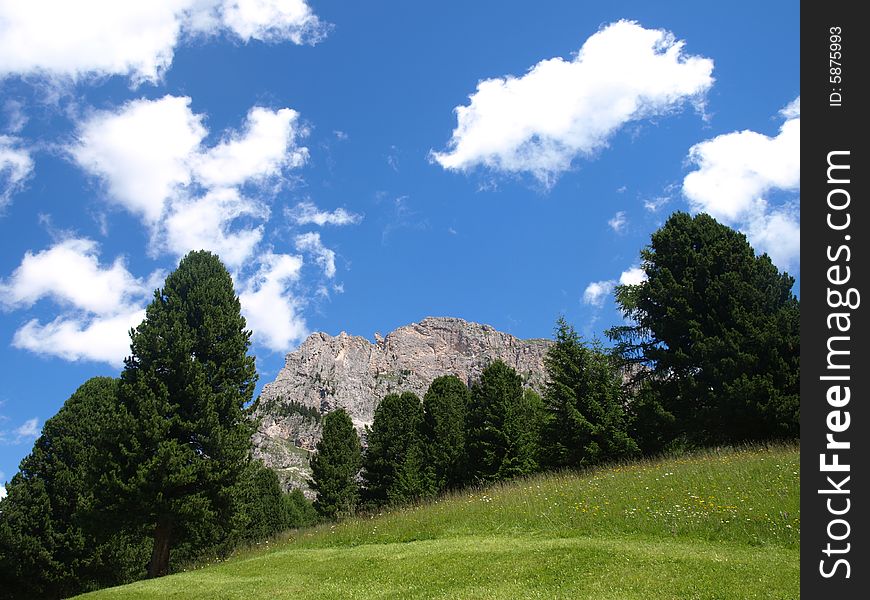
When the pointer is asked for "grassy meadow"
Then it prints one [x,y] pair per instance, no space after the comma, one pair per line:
[712,525]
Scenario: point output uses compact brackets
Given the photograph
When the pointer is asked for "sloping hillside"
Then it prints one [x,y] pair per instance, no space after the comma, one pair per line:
[723,525]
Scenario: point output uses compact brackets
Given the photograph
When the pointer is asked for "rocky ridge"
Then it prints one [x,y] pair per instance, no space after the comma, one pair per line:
[329,372]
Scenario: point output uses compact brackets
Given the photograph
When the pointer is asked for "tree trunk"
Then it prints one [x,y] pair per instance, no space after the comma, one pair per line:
[159,565]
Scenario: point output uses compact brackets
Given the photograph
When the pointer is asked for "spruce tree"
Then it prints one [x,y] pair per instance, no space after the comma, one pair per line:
[335,465]
[587,424]
[50,544]
[444,410]
[501,438]
[393,469]
[185,438]
[714,336]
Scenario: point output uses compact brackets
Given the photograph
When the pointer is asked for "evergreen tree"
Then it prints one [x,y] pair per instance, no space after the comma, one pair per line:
[714,336]
[49,544]
[444,409]
[587,424]
[300,511]
[260,508]
[335,465]
[501,440]
[185,435]
[393,470]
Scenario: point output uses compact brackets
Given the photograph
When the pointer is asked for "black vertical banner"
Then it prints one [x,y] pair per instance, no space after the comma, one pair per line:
[835,370]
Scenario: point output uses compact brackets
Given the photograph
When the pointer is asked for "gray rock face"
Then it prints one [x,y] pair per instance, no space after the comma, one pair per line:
[350,372]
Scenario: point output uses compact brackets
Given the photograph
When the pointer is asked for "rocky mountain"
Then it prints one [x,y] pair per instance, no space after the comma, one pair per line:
[328,372]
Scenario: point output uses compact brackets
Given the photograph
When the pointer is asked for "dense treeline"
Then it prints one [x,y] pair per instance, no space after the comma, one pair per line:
[491,431]
[140,475]
[709,354]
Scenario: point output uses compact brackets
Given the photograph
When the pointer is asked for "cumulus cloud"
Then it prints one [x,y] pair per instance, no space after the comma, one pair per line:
[323,256]
[306,213]
[16,165]
[95,338]
[596,292]
[142,152]
[618,222]
[151,157]
[735,175]
[205,223]
[263,150]
[632,276]
[99,303]
[269,304]
[564,109]
[74,40]
[2,492]
[70,274]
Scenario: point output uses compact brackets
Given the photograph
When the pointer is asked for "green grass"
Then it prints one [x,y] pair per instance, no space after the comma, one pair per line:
[715,525]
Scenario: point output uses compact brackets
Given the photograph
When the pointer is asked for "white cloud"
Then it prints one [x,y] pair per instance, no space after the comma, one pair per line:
[29,429]
[150,155]
[204,223]
[654,204]
[143,152]
[778,233]
[323,256]
[306,213]
[70,274]
[100,303]
[736,172]
[618,222]
[264,150]
[597,291]
[95,338]
[2,492]
[560,109]
[16,165]
[270,307]
[633,276]
[273,20]
[792,109]
[62,39]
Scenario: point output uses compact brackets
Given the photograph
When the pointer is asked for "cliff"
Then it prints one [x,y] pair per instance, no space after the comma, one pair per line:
[328,372]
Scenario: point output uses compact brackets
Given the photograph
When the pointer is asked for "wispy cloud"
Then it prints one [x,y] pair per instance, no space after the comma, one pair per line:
[16,165]
[306,213]
[27,431]
[618,222]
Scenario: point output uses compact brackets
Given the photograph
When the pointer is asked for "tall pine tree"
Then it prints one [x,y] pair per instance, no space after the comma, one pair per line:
[393,465]
[714,336]
[444,410]
[586,424]
[501,431]
[185,438]
[335,465]
[50,543]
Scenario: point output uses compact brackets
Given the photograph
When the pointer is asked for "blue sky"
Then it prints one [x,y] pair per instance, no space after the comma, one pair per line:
[362,165]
